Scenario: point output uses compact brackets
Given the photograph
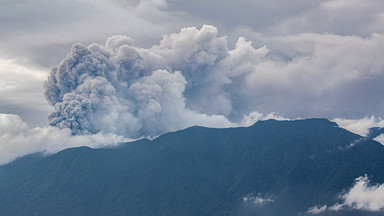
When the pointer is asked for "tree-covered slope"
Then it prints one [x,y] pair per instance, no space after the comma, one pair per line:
[198,171]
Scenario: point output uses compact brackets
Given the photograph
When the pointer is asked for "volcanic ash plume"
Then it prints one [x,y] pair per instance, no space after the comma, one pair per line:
[136,92]
[193,78]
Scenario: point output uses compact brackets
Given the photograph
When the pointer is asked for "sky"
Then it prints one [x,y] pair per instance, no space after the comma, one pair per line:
[96,73]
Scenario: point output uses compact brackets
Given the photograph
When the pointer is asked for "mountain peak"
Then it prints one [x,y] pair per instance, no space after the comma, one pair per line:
[307,122]
[294,165]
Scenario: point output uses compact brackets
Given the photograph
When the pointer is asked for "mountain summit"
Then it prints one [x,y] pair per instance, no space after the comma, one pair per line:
[270,168]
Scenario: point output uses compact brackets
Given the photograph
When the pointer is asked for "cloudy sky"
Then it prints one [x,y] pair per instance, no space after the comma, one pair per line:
[123,69]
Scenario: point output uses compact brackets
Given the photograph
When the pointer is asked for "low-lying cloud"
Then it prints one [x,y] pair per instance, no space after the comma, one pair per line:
[360,126]
[258,200]
[18,139]
[362,196]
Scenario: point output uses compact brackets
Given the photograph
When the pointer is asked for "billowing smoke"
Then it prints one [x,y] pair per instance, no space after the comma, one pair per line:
[194,78]
[136,92]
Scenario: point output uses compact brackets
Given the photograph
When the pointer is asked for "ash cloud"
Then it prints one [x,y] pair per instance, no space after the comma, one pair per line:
[130,91]
[193,78]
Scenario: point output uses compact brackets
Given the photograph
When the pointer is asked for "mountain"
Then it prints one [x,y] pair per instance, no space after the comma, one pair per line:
[375,132]
[271,168]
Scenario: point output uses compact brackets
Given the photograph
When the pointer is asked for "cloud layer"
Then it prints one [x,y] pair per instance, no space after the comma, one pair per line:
[300,59]
[322,58]
[18,139]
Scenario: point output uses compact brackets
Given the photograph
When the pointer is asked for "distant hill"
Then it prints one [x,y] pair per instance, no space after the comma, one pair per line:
[271,168]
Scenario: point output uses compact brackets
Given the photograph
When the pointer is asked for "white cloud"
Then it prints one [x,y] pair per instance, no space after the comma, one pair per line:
[258,200]
[18,139]
[253,117]
[317,209]
[380,139]
[360,126]
[362,196]
[365,196]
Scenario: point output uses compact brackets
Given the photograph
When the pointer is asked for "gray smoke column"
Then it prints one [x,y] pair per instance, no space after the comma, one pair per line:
[193,78]
[131,91]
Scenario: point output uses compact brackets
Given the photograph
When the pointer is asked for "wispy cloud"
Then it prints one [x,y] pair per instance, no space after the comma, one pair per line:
[317,209]
[258,200]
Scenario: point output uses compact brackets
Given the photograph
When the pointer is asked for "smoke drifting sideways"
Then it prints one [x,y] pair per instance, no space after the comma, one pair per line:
[123,89]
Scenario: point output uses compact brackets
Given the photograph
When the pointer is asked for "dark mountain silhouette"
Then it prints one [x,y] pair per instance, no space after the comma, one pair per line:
[198,171]
[375,132]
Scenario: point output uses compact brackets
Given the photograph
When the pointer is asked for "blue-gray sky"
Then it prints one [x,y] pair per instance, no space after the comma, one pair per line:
[214,63]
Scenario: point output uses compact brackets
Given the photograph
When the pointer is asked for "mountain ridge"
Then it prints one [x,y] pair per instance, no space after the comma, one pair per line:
[198,171]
